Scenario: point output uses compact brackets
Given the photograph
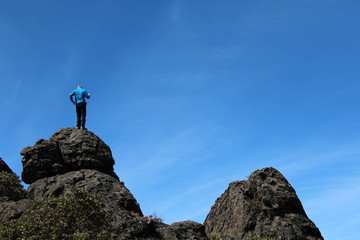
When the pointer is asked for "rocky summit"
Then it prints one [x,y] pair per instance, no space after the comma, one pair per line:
[69,149]
[263,207]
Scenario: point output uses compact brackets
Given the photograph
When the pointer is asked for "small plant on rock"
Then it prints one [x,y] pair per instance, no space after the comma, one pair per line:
[214,236]
[154,217]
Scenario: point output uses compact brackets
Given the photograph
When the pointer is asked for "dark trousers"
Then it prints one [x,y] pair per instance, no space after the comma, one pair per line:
[81,114]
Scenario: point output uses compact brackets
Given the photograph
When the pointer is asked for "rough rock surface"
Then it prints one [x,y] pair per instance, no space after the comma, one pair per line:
[264,206]
[112,192]
[123,212]
[188,230]
[12,209]
[69,149]
[4,167]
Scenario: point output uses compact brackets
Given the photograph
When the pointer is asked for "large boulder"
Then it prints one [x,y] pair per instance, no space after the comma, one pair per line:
[264,206]
[112,192]
[69,149]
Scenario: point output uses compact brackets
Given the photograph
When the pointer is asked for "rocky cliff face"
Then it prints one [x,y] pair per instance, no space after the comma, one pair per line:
[264,206]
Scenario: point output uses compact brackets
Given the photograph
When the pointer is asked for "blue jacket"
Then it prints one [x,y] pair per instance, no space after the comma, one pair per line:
[80,95]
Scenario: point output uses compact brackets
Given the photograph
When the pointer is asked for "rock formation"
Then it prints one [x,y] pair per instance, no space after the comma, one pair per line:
[69,149]
[74,158]
[264,206]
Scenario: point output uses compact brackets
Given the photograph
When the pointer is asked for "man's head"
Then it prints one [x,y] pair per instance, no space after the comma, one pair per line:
[80,86]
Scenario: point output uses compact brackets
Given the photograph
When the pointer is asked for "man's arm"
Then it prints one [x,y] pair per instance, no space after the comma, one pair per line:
[71,98]
[87,95]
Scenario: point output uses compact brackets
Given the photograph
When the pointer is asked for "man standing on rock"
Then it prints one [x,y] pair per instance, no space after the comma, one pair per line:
[80,94]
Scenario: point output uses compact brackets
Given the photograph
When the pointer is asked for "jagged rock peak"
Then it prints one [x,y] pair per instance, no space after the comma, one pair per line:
[4,167]
[265,205]
[68,149]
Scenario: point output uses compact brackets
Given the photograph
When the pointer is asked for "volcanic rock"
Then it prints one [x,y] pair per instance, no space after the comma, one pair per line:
[264,206]
[69,149]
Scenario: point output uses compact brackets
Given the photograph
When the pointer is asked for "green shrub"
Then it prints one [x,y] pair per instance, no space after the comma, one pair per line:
[75,216]
[214,236]
[10,187]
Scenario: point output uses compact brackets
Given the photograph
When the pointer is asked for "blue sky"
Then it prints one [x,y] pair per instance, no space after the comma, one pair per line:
[191,95]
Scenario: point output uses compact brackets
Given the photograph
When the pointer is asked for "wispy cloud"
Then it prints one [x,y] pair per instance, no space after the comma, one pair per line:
[337,194]
[205,186]
[163,153]
[11,92]
[332,203]
[298,161]
[202,195]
